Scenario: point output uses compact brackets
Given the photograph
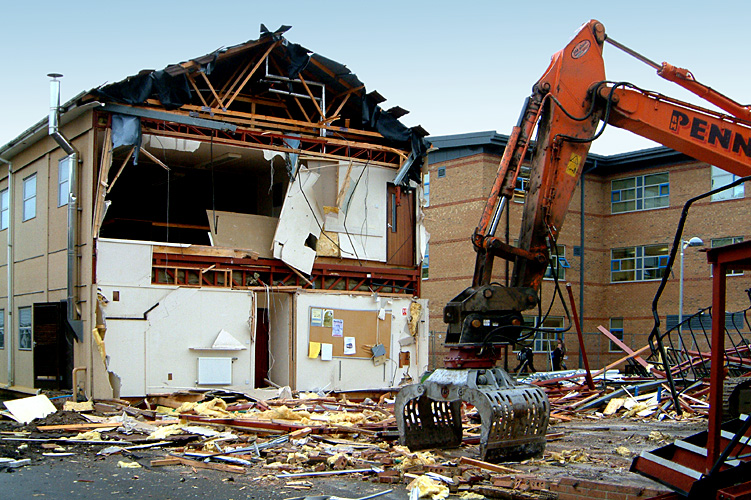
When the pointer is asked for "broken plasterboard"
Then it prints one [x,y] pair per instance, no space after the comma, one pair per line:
[299,220]
[243,231]
[25,410]
[164,142]
[379,354]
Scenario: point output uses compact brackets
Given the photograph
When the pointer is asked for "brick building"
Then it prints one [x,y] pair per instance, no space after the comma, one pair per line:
[613,252]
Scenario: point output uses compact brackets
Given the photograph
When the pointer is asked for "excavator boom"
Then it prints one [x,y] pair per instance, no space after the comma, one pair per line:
[568,104]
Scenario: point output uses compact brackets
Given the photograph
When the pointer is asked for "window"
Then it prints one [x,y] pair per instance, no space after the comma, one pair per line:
[426,189]
[63,171]
[545,341]
[24,328]
[644,192]
[4,212]
[441,172]
[426,263]
[616,328]
[638,263]
[522,185]
[30,197]
[2,329]
[560,263]
[721,178]
[721,242]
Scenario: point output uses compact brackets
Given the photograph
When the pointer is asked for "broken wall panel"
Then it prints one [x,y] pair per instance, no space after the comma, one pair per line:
[243,231]
[299,224]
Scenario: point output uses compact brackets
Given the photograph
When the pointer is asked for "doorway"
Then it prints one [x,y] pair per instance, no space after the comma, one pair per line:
[400,226]
[53,347]
[261,363]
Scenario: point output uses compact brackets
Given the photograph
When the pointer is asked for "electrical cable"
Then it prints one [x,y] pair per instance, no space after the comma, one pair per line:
[604,119]
[213,186]
[346,213]
[320,226]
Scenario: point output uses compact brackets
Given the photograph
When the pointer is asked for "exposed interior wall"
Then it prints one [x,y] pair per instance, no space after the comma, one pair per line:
[155,334]
[361,220]
[348,200]
[345,373]
[202,179]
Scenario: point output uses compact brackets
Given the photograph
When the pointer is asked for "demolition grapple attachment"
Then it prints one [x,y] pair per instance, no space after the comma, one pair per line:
[514,417]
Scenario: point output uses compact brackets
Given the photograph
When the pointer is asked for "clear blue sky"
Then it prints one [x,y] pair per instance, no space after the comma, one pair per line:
[460,66]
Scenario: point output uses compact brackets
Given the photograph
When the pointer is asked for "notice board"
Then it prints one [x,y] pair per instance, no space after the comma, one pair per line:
[332,326]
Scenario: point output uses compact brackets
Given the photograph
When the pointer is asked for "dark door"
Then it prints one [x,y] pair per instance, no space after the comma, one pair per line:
[53,347]
[400,227]
[262,347]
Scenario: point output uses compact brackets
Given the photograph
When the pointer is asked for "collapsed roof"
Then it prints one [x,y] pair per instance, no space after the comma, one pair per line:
[313,104]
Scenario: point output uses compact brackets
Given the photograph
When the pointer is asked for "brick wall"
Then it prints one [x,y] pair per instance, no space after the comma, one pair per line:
[456,204]
[577,489]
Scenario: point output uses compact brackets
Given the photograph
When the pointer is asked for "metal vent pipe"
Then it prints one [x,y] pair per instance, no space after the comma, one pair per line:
[53,126]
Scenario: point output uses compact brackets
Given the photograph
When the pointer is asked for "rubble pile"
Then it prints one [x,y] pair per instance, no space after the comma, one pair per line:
[294,440]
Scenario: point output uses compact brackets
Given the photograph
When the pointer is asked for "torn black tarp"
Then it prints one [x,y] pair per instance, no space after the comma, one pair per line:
[276,35]
[299,57]
[384,123]
[126,131]
[172,91]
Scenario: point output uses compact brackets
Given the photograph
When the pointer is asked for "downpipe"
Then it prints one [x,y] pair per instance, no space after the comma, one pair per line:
[9,318]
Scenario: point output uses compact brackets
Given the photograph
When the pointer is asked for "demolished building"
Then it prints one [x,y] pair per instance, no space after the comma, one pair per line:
[247,216]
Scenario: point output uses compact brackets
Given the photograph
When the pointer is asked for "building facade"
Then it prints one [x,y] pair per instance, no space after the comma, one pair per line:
[247,216]
[612,249]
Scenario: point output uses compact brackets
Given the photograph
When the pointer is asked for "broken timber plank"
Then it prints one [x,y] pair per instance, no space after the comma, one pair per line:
[488,466]
[623,346]
[236,469]
[97,425]
[160,462]
[621,392]
[78,427]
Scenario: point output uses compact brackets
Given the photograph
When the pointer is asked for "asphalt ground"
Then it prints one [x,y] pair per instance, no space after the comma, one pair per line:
[82,477]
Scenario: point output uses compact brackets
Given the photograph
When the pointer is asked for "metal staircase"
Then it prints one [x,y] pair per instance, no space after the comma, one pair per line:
[682,465]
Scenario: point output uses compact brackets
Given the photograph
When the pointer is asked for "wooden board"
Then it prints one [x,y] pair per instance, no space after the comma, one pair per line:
[365,326]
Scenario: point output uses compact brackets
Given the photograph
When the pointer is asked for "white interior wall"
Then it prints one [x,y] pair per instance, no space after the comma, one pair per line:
[160,353]
[361,221]
[344,373]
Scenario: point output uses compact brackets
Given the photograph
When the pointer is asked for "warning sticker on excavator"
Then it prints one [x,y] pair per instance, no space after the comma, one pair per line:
[573,164]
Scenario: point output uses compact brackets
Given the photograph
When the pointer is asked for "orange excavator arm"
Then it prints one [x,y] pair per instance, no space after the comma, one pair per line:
[567,104]
[563,111]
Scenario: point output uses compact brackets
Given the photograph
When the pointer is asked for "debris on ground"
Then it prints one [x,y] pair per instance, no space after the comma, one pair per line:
[301,438]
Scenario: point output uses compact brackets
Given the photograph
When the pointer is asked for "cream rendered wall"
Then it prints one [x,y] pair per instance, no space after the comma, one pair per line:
[352,374]
[146,353]
[30,241]
[39,244]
